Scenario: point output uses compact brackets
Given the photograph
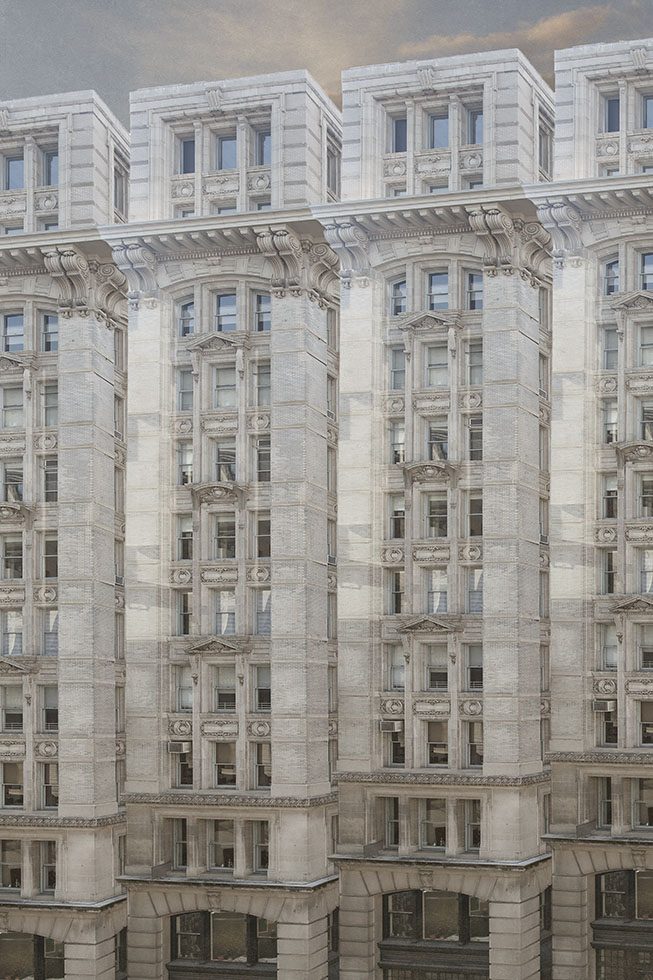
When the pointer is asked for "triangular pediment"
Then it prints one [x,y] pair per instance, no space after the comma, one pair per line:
[426,624]
[216,341]
[9,363]
[11,667]
[429,320]
[638,603]
[215,644]
[639,300]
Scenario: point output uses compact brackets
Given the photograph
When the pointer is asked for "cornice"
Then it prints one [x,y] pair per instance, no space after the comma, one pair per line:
[224,799]
[441,778]
[41,820]
[605,757]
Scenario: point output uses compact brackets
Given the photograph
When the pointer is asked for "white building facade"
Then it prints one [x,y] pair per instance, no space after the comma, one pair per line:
[326,643]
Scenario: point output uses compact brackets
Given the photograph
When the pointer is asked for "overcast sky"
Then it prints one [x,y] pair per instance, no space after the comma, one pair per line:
[113,46]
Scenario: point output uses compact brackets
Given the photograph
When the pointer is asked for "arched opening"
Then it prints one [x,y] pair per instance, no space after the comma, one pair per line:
[623,926]
[28,957]
[434,935]
[222,944]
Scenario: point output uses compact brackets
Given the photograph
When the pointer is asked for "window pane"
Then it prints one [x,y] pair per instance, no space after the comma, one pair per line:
[441,916]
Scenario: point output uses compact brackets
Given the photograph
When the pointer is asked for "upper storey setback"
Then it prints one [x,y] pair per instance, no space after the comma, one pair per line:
[64,164]
[453,124]
[604,110]
[242,145]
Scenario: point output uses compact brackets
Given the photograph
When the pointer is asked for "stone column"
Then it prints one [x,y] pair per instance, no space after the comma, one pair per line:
[91,961]
[302,949]
[515,939]
[571,916]
[145,954]
[358,952]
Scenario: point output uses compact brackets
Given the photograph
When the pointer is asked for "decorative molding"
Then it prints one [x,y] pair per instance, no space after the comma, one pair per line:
[332,727]
[394,167]
[392,706]
[46,202]
[606,757]
[605,686]
[86,285]
[429,624]
[12,749]
[428,707]
[636,604]
[351,244]
[182,426]
[217,644]
[259,421]
[180,727]
[545,707]
[45,442]
[138,264]
[394,405]
[639,685]
[605,534]
[393,555]
[431,554]
[45,595]
[220,728]
[259,728]
[470,552]
[639,532]
[11,596]
[261,181]
[224,799]
[47,750]
[299,265]
[216,493]
[471,708]
[433,163]
[219,573]
[470,400]
[563,222]
[37,820]
[424,472]
[437,777]
[496,230]
[181,576]
[258,573]
[607,385]
[221,185]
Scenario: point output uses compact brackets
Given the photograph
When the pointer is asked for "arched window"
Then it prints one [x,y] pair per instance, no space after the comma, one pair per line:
[222,938]
[25,955]
[623,950]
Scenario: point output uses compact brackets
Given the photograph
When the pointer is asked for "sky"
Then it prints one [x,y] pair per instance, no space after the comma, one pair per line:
[114,46]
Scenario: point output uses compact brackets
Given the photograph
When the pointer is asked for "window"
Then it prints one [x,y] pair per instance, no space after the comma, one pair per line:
[50,557]
[475,667]
[609,647]
[609,420]
[183,689]
[186,318]
[475,515]
[11,864]
[184,390]
[475,362]
[397,369]
[437,743]
[50,168]
[224,690]
[475,126]
[50,479]
[49,773]
[438,291]
[472,820]
[50,405]
[333,160]
[11,707]
[475,444]
[647,106]
[221,845]
[11,624]
[474,743]
[187,155]
[474,291]
[120,187]
[645,496]
[396,591]
[264,204]
[225,763]
[608,730]
[184,463]
[12,783]
[390,812]
[642,795]
[332,328]
[474,590]
[262,370]
[647,420]
[49,708]
[263,536]
[645,637]
[437,439]
[262,688]
[48,865]
[12,408]
[611,122]
[225,460]
[545,146]
[50,632]
[12,480]
[225,313]
[395,747]
[439,130]
[182,775]
[227,152]
[12,556]
[398,298]
[262,312]
[611,277]
[646,571]
[437,366]
[262,765]
[396,668]
[263,461]
[263,612]
[263,155]
[397,515]
[398,134]
[437,590]
[260,863]
[184,537]
[12,332]
[225,612]
[14,173]
[433,824]
[183,613]
[50,333]
[225,387]
[646,271]
[646,722]
[397,442]
[437,671]
[610,349]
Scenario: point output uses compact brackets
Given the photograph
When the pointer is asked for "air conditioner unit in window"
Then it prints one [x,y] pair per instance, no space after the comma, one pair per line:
[179,748]
[604,706]
[391,726]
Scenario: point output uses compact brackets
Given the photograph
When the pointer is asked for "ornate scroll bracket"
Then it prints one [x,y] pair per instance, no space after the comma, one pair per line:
[497,232]
[563,222]
[138,264]
[299,265]
[351,245]
[86,285]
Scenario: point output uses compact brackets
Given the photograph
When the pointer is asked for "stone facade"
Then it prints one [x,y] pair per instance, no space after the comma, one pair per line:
[381,705]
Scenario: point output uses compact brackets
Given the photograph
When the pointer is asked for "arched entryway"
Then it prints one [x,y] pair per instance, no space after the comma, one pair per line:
[221,945]
[28,957]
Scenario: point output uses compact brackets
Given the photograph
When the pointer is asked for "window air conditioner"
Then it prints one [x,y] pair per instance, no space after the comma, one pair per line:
[179,748]
[604,706]
[391,726]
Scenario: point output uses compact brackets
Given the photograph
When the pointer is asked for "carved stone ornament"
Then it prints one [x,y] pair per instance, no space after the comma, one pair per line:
[12,749]
[220,424]
[433,163]
[430,402]
[607,385]
[259,182]
[45,442]
[219,186]
[216,493]
[425,707]
[12,204]
[47,750]
[332,727]
[259,421]
[223,573]
[393,556]
[46,202]
[428,624]
[392,706]
[181,576]
[259,729]
[641,299]
[180,727]
[13,513]
[605,686]
[639,383]
[258,573]
[86,285]
[470,552]
[639,532]
[471,161]
[394,168]
[472,708]
[637,604]
[563,222]
[633,451]
[220,728]
[607,148]
[121,748]
[394,405]
[11,596]
[420,472]
[45,595]
[639,686]
[217,645]
[545,559]
[431,554]
[470,400]
[351,244]
[183,189]
[605,535]
[183,426]
[545,707]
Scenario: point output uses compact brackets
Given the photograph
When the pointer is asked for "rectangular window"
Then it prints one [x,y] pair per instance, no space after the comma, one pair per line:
[437,447]
[646,573]
[545,148]
[646,345]
[399,134]
[11,864]
[396,597]
[263,460]
[396,668]
[608,730]
[611,122]
[11,707]
[475,667]
[187,155]
[437,595]
[12,556]
[263,384]
[437,366]
[439,130]
[50,633]
[50,168]
[263,156]
[11,623]
[475,515]
[225,612]
[260,864]
[49,708]
[474,743]
[642,794]
[474,590]
[12,408]
[224,689]
[609,420]
[395,748]
[647,114]
[183,689]
[436,515]
[263,536]
[475,444]
[50,479]
[225,313]
[474,291]
[227,152]
[390,821]
[225,387]
[437,743]
[611,277]
[438,291]
[179,829]
[50,405]
[50,557]
[186,318]
[437,667]
[646,720]
[12,783]
[475,362]
[475,126]
[398,298]
[397,515]
[184,390]
[433,824]
[472,822]
[225,460]
[49,785]
[182,775]
[645,636]
[184,537]
[184,463]
[13,338]
[183,613]
[263,612]
[646,274]
[50,333]
[14,173]
[333,160]
[12,480]
[397,442]
[263,312]
[222,844]
[397,369]
[262,765]
[608,644]
[262,688]
[225,763]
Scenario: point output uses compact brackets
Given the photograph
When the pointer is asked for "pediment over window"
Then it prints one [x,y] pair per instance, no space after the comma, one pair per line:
[430,321]
[639,604]
[210,342]
[639,300]
[428,624]
[9,363]
[10,667]
[217,644]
